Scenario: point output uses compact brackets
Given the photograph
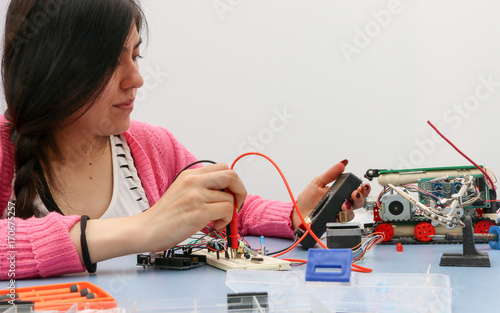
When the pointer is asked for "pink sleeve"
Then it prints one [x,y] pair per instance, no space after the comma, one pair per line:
[38,247]
[261,217]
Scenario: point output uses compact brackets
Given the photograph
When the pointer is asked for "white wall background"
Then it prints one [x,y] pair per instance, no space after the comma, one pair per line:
[310,83]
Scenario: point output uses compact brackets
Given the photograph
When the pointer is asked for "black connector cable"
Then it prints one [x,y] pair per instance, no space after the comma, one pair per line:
[295,239]
[192,164]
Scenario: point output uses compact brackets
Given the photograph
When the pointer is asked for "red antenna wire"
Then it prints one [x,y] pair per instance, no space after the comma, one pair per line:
[463,154]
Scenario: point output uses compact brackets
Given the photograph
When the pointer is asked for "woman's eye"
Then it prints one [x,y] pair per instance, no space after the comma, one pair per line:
[136,58]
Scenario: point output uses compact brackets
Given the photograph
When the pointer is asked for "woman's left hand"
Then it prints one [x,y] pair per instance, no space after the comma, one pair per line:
[314,192]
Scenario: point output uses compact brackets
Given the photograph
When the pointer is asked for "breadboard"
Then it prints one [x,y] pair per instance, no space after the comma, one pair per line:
[268,263]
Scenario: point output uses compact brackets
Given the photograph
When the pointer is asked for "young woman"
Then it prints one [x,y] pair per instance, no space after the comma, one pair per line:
[80,181]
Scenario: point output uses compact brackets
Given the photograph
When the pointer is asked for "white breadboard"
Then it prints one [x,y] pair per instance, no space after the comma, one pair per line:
[267,263]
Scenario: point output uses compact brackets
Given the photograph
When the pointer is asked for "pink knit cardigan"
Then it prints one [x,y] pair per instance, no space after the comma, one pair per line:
[41,247]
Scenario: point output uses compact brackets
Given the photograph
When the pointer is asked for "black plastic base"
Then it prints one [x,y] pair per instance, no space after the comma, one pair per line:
[470,256]
[458,259]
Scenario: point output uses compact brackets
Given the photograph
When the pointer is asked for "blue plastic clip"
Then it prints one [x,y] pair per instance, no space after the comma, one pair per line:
[329,265]
[496,231]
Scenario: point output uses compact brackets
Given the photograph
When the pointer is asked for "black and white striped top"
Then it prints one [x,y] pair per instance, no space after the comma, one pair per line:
[128,197]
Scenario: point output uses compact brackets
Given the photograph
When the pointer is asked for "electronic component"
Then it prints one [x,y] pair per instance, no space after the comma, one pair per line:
[247,301]
[396,208]
[328,207]
[408,176]
[445,188]
[399,247]
[262,245]
[455,212]
[343,235]
[260,262]
[172,262]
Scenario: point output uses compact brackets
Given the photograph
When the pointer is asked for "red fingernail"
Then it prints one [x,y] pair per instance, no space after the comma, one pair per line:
[345,162]
[358,195]
[348,205]
[367,186]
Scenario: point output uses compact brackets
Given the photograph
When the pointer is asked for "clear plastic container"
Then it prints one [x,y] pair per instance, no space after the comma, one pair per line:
[305,304]
[380,292]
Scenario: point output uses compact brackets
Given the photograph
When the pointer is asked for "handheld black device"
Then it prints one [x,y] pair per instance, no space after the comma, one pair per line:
[328,207]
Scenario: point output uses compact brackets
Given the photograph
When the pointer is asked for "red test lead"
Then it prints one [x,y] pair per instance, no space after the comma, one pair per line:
[234,227]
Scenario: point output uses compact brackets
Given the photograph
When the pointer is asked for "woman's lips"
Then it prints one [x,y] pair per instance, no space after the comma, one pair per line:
[126,106]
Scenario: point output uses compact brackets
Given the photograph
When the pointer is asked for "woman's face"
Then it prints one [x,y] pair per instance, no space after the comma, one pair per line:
[110,113]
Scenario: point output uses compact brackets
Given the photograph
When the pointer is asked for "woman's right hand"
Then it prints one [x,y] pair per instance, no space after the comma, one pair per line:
[196,198]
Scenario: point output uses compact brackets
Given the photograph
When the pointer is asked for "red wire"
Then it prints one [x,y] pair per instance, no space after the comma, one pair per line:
[289,192]
[355,267]
[214,250]
[463,154]
[296,260]
[358,268]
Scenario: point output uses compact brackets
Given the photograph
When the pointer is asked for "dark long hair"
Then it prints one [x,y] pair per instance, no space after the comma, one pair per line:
[58,57]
